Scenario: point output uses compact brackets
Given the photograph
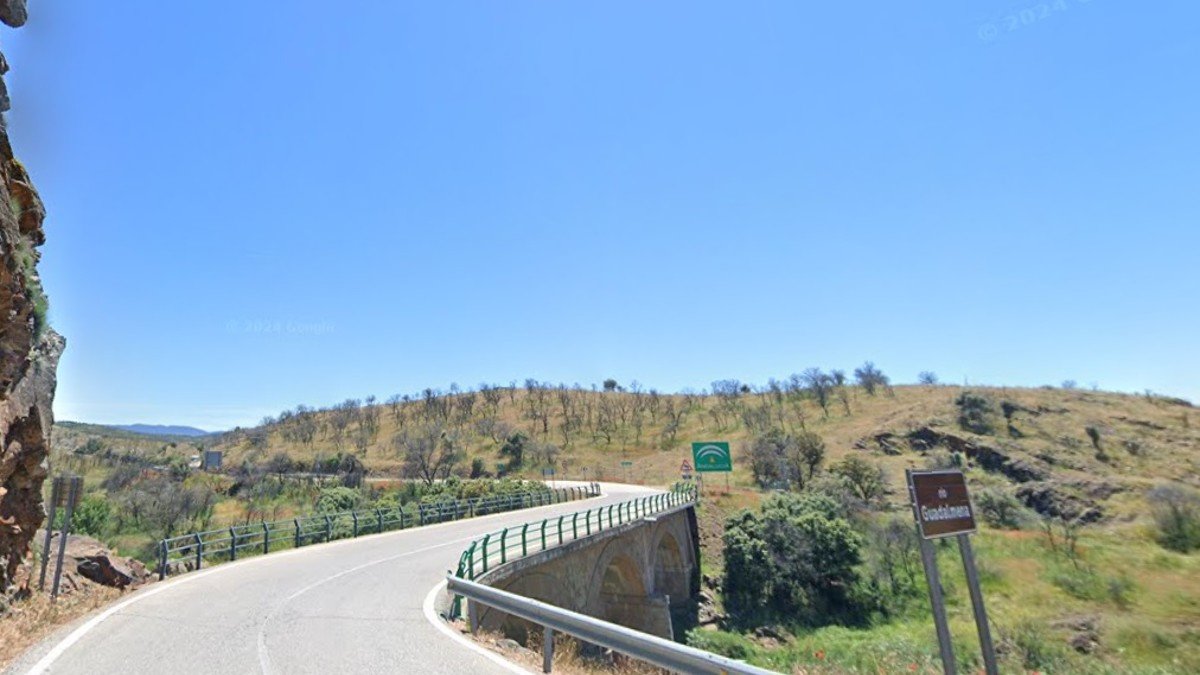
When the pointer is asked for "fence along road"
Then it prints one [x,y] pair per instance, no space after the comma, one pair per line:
[351,606]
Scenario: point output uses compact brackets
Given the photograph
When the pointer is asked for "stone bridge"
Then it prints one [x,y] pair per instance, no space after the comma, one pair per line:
[643,574]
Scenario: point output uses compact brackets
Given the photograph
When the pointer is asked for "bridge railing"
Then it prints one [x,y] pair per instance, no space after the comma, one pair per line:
[193,550]
[649,648]
[513,543]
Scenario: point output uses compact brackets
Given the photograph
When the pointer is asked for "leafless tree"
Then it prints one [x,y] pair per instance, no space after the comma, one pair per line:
[430,452]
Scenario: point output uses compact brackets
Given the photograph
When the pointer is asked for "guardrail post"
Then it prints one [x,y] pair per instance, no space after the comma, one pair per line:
[199,551]
[575,525]
[354,517]
[162,559]
[610,508]
[232,544]
[560,530]
[504,546]
[486,537]
[266,538]
[421,513]
[524,549]
[379,520]
[587,522]
[296,522]
[547,649]
[543,534]
[328,528]
[471,562]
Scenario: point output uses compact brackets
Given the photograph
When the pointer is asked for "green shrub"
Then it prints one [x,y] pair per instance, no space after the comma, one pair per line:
[864,478]
[91,516]
[794,561]
[1176,511]
[975,412]
[1000,509]
[730,645]
[1035,649]
[338,499]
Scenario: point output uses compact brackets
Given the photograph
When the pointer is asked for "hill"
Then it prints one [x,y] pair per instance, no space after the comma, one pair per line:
[161,430]
[1037,442]
[1091,587]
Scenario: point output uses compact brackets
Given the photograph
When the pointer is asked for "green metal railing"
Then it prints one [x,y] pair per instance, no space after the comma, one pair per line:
[191,551]
[512,543]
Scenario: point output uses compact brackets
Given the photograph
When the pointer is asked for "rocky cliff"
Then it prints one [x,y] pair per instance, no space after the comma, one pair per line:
[29,350]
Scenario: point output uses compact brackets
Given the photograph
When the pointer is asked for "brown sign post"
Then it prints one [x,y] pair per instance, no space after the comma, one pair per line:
[942,508]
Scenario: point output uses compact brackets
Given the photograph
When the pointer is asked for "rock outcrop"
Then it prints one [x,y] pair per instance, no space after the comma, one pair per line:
[29,350]
[87,558]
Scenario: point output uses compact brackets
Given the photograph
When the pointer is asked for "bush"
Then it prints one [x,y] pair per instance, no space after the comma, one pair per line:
[338,499]
[91,517]
[1000,509]
[1033,648]
[865,478]
[779,459]
[1176,512]
[794,561]
[975,412]
[477,469]
[729,645]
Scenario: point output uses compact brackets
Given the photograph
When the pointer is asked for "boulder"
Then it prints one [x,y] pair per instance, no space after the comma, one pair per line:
[90,559]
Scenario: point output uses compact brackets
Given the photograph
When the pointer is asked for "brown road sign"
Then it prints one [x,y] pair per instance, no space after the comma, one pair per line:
[941,503]
[686,467]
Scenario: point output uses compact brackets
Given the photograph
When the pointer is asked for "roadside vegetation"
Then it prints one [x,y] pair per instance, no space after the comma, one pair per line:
[1089,548]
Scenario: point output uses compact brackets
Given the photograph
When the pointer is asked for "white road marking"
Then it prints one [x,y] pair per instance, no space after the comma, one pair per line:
[76,635]
[264,658]
[432,617]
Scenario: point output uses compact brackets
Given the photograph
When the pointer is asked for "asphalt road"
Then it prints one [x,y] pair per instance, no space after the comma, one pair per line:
[354,606]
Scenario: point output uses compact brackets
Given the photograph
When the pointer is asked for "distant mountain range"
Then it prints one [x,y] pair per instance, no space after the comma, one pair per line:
[160,430]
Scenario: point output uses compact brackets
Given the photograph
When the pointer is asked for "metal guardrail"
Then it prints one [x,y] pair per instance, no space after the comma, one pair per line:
[190,551]
[641,646]
[511,543]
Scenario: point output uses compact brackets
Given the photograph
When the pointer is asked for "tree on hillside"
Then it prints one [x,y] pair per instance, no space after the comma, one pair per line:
[820,386]
[927,377]
[767,452]
[781,459]
[430,452]
[610,385]
[870,378]
[280,464]
[840,389]
[513,451]
[864,478]
[806,453]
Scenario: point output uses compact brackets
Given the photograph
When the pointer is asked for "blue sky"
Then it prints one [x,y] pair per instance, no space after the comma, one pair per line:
[277,203]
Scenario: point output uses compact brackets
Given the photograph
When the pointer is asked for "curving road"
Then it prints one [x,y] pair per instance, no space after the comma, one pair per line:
[354,606]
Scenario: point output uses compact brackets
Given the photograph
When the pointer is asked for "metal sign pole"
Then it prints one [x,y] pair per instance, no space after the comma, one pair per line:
[72,497]
[981,620]
[936,599]
[55,492]
[929,560]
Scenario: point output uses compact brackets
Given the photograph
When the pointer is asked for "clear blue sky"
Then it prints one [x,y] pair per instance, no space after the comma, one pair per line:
[254,205]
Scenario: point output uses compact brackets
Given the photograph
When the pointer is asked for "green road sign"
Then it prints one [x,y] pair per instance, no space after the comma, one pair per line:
[626,463]
[712,456]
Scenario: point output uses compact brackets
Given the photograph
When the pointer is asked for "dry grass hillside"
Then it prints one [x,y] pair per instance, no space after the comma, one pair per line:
[1037,440]
[1108,597]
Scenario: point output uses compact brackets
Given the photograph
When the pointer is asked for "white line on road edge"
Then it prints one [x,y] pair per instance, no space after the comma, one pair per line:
[76,635]
[432,617]
[264,658]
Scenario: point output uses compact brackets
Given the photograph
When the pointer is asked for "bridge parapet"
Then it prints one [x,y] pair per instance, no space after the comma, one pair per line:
[635,564]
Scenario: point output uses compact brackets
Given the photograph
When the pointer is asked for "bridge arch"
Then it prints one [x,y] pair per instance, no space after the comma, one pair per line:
[622,591]
[671,576]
